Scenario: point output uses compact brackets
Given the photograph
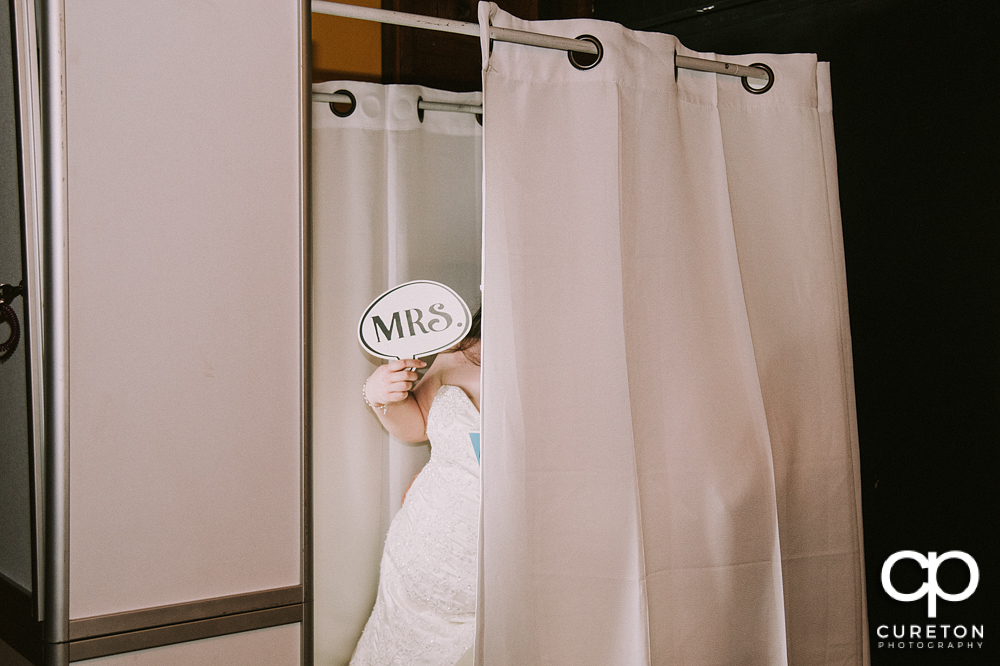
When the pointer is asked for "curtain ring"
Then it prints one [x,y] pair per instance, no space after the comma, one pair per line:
[350,110]
[7,314]
[766,87]
[573,55]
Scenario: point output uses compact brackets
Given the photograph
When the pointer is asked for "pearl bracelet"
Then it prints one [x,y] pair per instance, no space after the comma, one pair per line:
[364,395]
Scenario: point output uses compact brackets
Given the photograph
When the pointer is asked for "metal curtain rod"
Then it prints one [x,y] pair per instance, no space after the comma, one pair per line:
[422,104]
[520,37]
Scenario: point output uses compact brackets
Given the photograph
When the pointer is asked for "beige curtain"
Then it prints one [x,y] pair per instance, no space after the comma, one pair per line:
[395,198]
[669,455]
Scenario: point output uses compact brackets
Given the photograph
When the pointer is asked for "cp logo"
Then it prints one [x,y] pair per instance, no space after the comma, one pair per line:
[930,588]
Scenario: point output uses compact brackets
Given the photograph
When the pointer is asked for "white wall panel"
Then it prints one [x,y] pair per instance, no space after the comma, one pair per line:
[275,646]
[184,237]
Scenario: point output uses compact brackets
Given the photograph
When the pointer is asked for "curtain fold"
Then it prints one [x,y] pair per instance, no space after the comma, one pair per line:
[395,198]
[669,451]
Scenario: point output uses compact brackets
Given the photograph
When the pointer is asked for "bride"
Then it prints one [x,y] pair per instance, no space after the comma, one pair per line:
[425,611]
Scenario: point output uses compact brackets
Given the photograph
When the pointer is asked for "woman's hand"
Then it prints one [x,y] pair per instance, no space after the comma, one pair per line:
[392,382]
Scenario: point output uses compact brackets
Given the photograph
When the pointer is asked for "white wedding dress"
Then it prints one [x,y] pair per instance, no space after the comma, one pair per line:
[425,612]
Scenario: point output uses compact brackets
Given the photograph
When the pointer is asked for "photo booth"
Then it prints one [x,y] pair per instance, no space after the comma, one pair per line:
[669,447]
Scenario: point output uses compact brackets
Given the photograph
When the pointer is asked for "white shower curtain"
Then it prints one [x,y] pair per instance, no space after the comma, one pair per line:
[394,199]
[670,468]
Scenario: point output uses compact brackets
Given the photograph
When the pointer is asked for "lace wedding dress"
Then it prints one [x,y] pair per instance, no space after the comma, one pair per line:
[425,612]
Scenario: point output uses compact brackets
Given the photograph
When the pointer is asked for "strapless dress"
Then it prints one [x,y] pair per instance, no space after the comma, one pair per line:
[425,611]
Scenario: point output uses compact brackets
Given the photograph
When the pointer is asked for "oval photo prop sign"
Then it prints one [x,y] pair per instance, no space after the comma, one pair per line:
[415,319]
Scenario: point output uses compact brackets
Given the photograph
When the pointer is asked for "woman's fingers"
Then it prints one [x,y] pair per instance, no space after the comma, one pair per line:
[393,381]
[400,376]
[399,371]
[395,366]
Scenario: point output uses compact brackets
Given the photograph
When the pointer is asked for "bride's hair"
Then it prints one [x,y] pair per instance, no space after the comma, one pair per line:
[471,338]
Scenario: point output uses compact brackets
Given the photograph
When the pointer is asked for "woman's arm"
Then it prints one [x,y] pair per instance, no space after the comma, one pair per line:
[406,406]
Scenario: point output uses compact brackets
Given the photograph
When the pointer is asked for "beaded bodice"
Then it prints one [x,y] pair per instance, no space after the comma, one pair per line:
[451,418]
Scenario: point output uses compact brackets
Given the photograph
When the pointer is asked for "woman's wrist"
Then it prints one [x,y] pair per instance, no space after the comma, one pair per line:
[374,405]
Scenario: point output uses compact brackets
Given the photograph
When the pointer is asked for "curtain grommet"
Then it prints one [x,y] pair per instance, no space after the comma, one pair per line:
[580,60]
[420,112]
[353,104]
[766,86]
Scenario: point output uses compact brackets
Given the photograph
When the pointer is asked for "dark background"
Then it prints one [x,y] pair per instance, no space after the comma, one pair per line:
[915,114]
